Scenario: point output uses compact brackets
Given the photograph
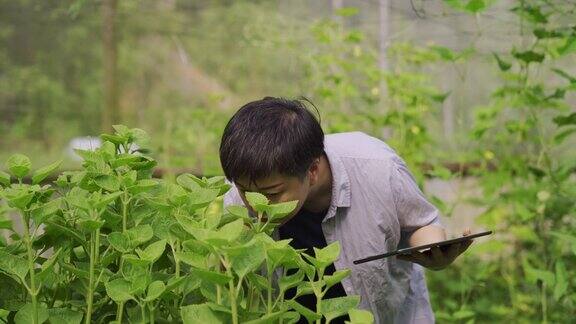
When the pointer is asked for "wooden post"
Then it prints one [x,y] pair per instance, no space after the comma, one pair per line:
[110,113]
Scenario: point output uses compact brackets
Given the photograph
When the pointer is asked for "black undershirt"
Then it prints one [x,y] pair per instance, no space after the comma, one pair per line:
[305,230]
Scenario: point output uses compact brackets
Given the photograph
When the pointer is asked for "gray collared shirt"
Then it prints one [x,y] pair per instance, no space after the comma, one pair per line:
[375,206]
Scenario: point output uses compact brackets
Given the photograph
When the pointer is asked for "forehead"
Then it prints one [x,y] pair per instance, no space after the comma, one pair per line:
[274,180]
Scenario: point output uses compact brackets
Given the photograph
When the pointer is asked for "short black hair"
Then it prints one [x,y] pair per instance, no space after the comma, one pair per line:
[271,135]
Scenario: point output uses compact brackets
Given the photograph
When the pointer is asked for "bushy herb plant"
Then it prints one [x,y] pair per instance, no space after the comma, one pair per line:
[109,243]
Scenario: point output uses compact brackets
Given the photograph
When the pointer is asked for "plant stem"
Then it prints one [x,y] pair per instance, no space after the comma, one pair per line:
[233,302]
[94,247]
[124,212]
[120,308]
[151,309]
[32,291]
[269,301]
[544,304]
[143,312]
[119,312]
[319,308]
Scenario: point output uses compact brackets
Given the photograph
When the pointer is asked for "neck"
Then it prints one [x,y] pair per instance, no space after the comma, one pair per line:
[321,193]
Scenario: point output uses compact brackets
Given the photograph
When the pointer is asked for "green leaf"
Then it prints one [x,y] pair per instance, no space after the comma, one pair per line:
[4,178]
[42,173]
[463,314]
[533,275]
[561,281]
[13,265]
[257,200]
[361,316]
[140,137]
[5,222]
[121,130]
[89,225]
[304,288]
[565,75]
[19,165]
[203,313]
[211,276]
[476,6]
[504,66]
[155,289]
[26,314]
[277,212]
[139,235]
[65,316]
[565,120]
[336,277]
[190,182]
[49,264]
[305,311]
[18,196]
[113,138]
[153,251]
[336,307]
[118,290]
[119,242]
[560,137]
[569,46]
[201,197]
[287,282]
[143,185]
[231,231]
[106,199]
[124,159]
[328,254]
[108,182]
[347,11]
[239,211]
[50,208]
[191,226]
[191,258]
[529,56]
[247,258]
[531,13]
[72,233]
[11,293]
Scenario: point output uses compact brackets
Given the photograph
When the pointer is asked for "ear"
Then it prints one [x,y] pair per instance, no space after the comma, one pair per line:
[314,171]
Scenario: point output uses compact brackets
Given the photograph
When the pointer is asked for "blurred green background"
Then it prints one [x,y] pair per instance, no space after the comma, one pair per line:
[476,95]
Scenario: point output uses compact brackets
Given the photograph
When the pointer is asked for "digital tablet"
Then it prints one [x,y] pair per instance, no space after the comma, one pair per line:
[423,247]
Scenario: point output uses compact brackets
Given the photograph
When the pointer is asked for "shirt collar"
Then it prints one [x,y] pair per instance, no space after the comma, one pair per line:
[340,183]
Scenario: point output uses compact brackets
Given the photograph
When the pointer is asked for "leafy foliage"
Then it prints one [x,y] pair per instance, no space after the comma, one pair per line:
[127,247]
[528,192]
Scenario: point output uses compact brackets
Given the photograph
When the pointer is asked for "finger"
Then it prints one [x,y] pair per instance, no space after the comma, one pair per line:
[467,232]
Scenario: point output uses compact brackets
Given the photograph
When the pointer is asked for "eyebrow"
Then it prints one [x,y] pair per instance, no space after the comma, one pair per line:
[265,188]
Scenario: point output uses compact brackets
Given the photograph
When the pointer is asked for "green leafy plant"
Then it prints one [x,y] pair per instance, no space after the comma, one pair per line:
[526,177]
[110,244]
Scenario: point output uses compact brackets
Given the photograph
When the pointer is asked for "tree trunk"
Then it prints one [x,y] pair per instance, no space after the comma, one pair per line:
[110,113]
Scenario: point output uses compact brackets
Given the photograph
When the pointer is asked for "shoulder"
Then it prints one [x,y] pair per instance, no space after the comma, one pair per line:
[358,145]
[359,152]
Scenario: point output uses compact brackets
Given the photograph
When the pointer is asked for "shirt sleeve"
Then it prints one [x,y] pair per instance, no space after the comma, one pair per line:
[232,197]
[412,207]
